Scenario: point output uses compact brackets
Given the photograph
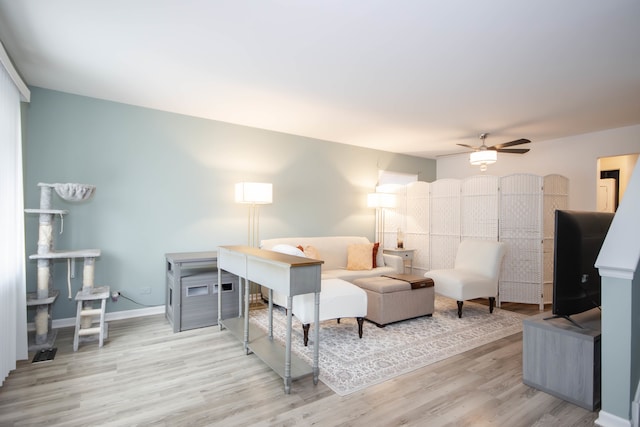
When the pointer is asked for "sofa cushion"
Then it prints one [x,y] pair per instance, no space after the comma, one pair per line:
[360,256]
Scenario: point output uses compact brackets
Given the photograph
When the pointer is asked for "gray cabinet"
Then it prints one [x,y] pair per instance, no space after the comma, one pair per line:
[563,359]
[192,290]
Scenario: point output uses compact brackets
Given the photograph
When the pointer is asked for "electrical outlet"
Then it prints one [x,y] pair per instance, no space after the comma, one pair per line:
[115,295]
[145,290]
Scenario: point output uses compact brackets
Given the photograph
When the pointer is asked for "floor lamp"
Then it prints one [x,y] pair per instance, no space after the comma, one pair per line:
[254,194]
[380,201]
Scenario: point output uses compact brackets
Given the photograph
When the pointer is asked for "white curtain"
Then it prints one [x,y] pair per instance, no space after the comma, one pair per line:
[13,312]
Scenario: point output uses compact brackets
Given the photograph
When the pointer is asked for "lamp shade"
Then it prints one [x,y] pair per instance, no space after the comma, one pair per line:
[381,200]
[483,157]
[258,193]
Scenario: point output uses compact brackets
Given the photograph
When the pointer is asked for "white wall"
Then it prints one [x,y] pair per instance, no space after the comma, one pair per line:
[575,157]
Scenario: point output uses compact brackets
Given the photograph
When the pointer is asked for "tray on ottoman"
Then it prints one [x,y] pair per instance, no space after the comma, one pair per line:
[416,282]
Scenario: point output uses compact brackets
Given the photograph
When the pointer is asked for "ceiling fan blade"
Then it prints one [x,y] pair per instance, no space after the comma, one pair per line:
[468,146]
[511,143]
[512,150]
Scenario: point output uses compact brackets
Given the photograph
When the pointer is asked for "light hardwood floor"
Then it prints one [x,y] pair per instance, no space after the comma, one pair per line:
[146,375]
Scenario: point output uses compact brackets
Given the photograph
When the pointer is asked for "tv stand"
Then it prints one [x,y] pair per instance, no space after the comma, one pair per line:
[561,356]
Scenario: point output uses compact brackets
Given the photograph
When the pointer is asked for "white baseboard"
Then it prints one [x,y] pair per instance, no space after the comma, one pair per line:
[606,419]
[114,315]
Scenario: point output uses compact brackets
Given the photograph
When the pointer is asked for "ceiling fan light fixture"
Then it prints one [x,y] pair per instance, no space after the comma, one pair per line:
[483,157]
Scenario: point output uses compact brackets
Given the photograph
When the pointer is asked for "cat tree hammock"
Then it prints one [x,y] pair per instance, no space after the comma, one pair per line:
[46,295]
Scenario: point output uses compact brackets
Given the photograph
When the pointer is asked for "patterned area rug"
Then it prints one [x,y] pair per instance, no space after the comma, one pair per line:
[348,364]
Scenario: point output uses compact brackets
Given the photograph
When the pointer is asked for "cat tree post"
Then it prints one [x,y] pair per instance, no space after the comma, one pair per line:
[45,294]
[88,274]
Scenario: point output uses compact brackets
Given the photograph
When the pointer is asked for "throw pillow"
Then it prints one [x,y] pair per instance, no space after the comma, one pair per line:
[311,252]
[376,246]
[289,250]
[360,256]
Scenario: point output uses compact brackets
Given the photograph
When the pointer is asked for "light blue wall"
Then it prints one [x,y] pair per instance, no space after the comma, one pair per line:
[619,352]
[165,184]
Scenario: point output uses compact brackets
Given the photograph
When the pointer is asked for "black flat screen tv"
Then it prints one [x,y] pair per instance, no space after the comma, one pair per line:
[579,235]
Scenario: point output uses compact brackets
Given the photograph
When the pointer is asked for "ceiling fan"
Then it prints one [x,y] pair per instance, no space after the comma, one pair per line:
[483,155]
[500,147]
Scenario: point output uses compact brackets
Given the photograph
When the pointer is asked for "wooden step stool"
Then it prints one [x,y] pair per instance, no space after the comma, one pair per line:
[90,295]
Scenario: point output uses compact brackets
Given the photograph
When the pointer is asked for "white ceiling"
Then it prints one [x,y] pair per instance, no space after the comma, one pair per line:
[406,76]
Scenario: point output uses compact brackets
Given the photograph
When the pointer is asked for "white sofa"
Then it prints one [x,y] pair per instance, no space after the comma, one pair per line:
[333,251]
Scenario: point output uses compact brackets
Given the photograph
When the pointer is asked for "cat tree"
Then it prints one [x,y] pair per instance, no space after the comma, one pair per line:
[46,295]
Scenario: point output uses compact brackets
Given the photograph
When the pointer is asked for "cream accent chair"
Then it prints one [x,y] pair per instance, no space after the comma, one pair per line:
[475,273]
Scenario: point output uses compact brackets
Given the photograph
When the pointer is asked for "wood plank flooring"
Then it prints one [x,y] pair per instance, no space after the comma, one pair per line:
[145,375]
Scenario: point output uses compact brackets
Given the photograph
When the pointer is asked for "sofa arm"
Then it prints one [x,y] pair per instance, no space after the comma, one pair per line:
[394,261]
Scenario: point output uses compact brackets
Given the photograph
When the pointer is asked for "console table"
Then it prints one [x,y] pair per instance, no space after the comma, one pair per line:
[289,276]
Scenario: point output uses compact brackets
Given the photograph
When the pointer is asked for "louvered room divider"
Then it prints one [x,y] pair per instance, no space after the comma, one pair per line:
[515,209]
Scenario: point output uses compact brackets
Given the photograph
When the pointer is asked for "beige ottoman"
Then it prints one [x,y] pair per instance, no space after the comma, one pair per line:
[391,300]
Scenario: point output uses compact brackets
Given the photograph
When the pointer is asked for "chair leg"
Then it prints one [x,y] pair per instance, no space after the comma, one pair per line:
[76,334]
[492,302]
[460,309]
[103,306]
[360,323]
